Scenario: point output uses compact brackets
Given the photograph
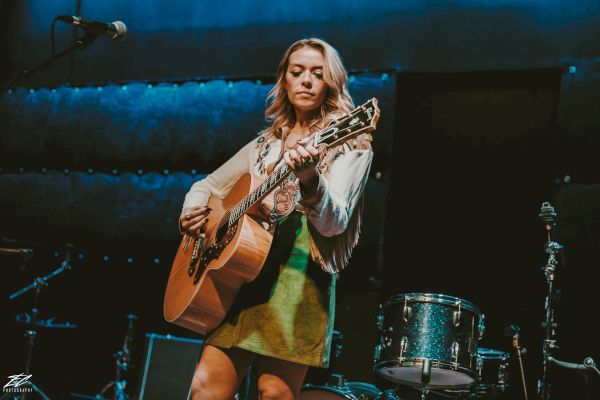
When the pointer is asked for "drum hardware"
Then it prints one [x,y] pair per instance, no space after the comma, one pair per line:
[33,320]
[513,331]
[123,360]
[54,322]
[587,365]
[548,216]
[25,254]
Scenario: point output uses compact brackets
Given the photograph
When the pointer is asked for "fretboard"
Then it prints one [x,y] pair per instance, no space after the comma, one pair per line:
[257,194]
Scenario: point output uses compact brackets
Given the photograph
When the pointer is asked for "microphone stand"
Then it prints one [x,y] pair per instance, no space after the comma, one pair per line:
[81,44]
[123,362]
[31,333]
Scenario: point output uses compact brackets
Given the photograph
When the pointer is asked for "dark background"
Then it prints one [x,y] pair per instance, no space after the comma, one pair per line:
[489,109]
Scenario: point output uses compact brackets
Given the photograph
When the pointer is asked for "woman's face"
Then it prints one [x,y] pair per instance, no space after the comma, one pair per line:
[305,86]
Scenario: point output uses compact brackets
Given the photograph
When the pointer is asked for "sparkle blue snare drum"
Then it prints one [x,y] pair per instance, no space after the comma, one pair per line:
[428,340]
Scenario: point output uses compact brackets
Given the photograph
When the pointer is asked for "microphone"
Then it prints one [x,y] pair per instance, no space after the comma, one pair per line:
[114,30]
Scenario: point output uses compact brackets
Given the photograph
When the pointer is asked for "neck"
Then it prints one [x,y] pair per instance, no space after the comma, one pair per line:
[303,118]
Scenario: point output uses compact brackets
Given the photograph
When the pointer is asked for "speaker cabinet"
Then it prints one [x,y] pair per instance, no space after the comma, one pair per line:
[168,367]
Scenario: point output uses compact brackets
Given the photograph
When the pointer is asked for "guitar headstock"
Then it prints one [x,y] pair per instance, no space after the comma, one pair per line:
[360,120]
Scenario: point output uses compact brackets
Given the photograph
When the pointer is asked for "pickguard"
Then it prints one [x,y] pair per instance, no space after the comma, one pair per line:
[199,263]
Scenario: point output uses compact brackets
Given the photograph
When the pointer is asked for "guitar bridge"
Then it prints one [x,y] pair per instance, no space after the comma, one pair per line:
[195,253]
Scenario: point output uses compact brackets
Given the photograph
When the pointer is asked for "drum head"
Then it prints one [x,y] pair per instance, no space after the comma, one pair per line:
[350,391]
[310,392]
[441,376]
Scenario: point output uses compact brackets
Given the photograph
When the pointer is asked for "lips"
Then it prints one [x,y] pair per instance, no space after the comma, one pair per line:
[306,93]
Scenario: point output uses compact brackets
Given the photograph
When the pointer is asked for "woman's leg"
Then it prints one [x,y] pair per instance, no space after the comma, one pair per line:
[278,379]
[220,372]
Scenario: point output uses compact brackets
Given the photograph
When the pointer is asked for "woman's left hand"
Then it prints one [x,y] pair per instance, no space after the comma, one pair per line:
[303,160]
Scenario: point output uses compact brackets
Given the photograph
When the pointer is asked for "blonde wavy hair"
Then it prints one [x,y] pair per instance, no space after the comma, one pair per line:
[280,112]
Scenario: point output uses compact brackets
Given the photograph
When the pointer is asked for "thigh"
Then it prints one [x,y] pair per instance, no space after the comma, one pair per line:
[220,371]
[278,379]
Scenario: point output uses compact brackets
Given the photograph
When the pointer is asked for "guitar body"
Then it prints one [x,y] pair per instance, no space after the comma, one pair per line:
[199,297]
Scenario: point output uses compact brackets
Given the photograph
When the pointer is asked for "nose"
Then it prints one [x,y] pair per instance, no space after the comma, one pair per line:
[307,79]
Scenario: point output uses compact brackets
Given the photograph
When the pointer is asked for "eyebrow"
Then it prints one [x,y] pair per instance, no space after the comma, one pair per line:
[302,66]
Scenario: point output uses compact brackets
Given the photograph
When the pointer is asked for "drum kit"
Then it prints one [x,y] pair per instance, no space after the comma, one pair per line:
[428,344]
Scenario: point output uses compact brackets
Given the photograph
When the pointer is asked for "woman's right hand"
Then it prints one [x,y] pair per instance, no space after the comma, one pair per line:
[193,221]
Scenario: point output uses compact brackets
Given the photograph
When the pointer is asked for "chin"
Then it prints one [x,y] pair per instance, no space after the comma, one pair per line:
[307,106]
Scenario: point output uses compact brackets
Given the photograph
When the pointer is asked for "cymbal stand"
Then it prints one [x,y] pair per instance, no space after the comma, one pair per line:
[548,216]
[123,360]
[38,284]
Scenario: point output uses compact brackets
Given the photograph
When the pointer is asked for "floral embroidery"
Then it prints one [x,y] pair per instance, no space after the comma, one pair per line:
[263,147]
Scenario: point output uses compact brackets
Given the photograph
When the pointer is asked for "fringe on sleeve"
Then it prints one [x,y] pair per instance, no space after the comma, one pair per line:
[333,253]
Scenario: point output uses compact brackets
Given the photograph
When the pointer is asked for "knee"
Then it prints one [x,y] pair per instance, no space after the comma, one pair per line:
[200,385]
[271,387]
[204,387]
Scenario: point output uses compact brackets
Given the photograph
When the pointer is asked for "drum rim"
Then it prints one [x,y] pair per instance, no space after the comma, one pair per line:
[495,355]
[346,390]
[418,361]
[436,298]
[335,389]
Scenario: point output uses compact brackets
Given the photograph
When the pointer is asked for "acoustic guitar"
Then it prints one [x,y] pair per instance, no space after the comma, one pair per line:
[208,272]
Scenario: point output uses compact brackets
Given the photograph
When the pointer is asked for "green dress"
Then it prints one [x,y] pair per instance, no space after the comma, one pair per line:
[287,312]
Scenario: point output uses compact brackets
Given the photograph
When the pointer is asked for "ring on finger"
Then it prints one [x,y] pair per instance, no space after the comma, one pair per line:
[188,217]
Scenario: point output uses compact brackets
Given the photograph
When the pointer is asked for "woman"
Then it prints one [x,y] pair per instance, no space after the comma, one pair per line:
[283,321]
